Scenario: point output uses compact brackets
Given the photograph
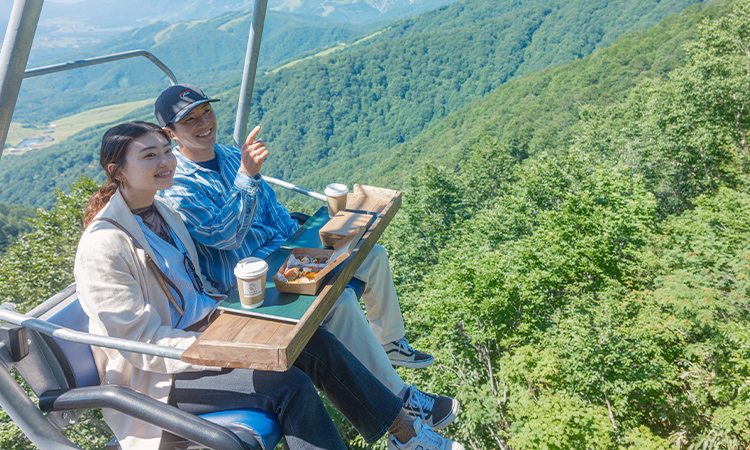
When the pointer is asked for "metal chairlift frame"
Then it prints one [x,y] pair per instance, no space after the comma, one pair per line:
[14,57]
[17,46]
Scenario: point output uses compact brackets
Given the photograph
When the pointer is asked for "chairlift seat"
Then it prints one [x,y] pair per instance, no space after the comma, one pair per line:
[256,428]
[64,376]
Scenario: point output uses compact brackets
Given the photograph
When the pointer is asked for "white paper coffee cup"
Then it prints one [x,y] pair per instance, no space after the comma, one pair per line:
[336,195]
[251,281]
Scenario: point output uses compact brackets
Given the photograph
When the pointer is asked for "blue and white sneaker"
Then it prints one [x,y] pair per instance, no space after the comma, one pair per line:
[426,439]
[400,353]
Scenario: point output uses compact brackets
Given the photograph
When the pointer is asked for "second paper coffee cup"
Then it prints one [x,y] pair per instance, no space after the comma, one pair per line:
[336,195]
[251,281]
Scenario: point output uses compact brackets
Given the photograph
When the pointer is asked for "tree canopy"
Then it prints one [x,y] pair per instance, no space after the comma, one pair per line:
[573,303]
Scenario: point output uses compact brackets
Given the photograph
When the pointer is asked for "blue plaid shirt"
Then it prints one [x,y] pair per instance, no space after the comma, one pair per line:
[229,214]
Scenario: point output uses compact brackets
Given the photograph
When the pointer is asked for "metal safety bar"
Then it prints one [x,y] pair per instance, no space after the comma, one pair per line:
[294,188]
[86,338]
[101,60]
[24,413]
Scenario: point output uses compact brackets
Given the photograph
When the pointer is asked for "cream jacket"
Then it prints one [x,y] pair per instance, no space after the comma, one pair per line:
[123,298]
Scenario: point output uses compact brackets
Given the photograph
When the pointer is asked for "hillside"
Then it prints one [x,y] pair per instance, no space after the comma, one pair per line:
[322,115]
[318,116]
[540,112]
[595,296]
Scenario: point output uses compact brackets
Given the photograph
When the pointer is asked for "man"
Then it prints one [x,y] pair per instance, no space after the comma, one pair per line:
[232,213]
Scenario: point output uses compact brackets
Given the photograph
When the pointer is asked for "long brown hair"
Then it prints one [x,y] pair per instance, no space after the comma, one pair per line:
[113,150]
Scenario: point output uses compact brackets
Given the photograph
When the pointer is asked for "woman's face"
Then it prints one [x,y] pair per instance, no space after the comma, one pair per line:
[149,167]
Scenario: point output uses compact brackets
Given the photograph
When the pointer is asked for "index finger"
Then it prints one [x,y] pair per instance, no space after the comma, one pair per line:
[251,136]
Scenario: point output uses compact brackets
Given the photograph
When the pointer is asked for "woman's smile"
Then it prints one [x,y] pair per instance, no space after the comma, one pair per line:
[152,154]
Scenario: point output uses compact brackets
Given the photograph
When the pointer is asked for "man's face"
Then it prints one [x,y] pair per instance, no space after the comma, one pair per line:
[196,132]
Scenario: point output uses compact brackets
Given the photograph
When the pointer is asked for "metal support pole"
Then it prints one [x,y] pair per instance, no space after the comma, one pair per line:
[13,58]
[248,74]
[246,91]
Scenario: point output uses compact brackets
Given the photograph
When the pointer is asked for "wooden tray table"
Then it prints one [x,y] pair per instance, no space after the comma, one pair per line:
[240,341]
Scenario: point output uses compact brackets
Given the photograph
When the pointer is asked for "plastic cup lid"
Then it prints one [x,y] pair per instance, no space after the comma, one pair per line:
[250,268]
[336,190]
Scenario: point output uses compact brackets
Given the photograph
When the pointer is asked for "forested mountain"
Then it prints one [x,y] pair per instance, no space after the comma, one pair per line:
[541,111]
[320,115]
[62,28]
[203,51]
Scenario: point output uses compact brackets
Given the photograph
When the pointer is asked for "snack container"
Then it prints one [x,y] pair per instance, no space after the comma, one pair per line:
[335,257]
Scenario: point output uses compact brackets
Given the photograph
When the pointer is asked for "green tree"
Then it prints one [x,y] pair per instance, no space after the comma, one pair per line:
[33,269]
[13,222]
[41,263]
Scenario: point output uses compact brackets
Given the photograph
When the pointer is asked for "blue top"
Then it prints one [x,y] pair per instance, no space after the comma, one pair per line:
[176,265]
[229,214]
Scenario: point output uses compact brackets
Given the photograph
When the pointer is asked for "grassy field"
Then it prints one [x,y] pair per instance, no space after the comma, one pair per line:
[19,132]
[68,126]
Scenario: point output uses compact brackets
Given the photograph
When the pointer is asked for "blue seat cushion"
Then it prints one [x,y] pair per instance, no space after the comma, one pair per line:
[264,423]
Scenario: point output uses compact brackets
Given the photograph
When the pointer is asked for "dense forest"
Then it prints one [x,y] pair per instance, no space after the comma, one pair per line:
[574,249]
[597,297]
[13,222]
[328,118]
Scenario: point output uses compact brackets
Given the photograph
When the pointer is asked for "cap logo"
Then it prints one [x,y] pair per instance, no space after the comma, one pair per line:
[185,93]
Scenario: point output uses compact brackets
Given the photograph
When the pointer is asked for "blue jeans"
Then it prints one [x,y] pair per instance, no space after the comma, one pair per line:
[325,363]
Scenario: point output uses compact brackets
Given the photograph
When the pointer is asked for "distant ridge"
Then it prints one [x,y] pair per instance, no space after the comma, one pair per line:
[217,56]
[63,28]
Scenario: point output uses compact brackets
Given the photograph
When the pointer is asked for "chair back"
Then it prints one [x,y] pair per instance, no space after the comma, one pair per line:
[76,360]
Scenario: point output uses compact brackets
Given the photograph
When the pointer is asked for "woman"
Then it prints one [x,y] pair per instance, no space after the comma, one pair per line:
[136,279]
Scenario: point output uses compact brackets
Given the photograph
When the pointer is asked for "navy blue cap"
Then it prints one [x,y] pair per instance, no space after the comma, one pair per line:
[177,101]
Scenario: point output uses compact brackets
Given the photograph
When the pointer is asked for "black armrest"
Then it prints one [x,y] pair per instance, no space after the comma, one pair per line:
[16,339]
[143,407]
[301,218]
